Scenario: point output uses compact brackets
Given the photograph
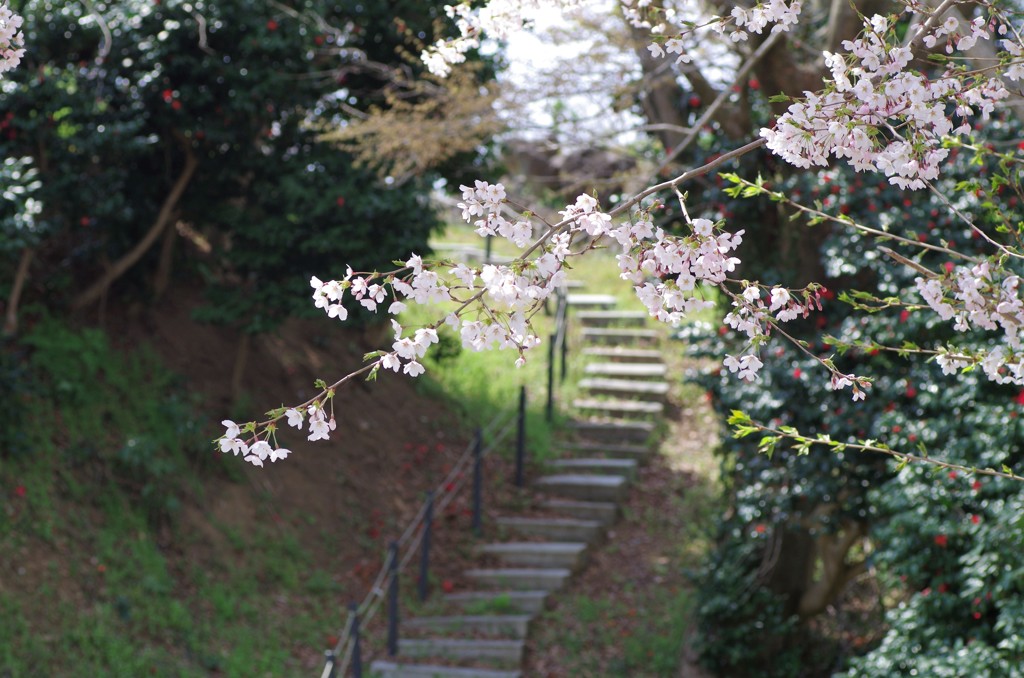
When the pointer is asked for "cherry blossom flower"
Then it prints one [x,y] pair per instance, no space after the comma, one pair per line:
[11,39]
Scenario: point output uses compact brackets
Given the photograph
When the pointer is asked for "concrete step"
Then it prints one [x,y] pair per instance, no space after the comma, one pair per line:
[617,407]
[633,318]
[640,453]
[510,651]
[626,370]
[528,602]
[383,669]
[537,554]
[621,467]
[614,429]
[584,486]
[622,354]
[555,529]
[598,511]
[512,625]
[625,388]
[580,300]
[521,578]
[608,335]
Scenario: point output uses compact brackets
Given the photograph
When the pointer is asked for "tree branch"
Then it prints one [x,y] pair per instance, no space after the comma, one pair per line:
[163,220]
[14,298]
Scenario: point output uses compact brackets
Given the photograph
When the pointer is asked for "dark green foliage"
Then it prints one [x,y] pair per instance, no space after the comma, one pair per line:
[944,546]
[745,630]
[16,390]
[241,87]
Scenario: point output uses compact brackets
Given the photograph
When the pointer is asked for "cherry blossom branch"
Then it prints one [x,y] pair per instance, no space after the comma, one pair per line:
[970,222]
[722,97]
[758,187]
[744,426]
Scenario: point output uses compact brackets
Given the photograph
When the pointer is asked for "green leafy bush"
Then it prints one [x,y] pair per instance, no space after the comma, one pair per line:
[944,545]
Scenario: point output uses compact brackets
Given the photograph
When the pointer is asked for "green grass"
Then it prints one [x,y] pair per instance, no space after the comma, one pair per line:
[653,649]
[113,448]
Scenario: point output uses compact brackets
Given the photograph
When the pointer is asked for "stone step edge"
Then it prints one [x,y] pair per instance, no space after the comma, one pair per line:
[509,625]
[627,385]
[385,669]
[637,372]
[613,405]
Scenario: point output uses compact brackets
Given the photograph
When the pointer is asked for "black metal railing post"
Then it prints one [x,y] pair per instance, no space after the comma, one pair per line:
[357,650]
[428,526]
[393,599]
[330,665]
[521,436]
[562,325]
[549,410]
[478,444]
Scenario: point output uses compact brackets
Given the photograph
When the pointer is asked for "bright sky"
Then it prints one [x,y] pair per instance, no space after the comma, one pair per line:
[530,56]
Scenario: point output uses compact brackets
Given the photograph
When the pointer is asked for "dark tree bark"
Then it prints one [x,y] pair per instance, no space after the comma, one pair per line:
[14,298]
[163,221]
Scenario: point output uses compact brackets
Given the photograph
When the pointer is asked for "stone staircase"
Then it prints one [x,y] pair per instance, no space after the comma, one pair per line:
[482,633]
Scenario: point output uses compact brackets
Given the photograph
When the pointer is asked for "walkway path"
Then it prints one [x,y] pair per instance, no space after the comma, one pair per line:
[482,633]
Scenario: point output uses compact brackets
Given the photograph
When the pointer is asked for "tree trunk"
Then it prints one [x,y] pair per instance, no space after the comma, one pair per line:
[163,220]
[661,97]
[14,298]
[810,571]
[162,279]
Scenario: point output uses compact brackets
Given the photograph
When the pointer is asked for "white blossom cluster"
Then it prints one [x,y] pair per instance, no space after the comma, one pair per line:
[978,297]
[255,453]
[484,200]
[508,291]
[497,19]
[737,27]
[873,91]
[11,39]
[679,264]
[777,13]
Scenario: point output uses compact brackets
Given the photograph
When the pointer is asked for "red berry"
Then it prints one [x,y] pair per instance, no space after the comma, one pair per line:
[941,540]
[271,25]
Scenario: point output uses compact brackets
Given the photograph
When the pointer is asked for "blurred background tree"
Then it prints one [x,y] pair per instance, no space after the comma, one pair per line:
[183,139]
